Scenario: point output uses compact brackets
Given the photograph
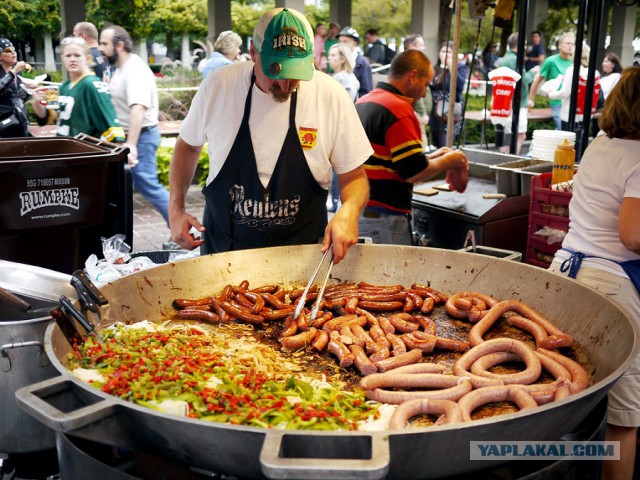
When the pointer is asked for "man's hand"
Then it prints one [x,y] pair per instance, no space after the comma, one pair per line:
[133,154]
[181,224]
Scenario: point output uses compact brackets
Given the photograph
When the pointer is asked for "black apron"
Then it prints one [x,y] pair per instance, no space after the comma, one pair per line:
[240,213]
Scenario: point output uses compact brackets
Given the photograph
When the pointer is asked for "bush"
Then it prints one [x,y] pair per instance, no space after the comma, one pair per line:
[165,152]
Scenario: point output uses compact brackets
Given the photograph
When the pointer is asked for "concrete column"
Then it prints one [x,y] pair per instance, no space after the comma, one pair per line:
[295,4]
[340,12]
[538,12]
[141,50]
[623,20]
[427,19]
[49,57]
[71,12]
[185,55]
[218,18]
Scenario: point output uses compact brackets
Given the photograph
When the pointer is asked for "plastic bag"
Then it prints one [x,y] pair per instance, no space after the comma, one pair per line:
[553,235]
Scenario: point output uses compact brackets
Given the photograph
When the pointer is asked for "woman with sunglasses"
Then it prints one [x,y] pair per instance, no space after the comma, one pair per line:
[14,119]
[84,100]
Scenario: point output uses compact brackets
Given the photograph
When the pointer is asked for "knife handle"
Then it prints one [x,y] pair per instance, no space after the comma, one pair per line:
[89,286]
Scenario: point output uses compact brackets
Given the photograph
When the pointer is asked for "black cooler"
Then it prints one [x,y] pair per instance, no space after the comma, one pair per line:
[59,196]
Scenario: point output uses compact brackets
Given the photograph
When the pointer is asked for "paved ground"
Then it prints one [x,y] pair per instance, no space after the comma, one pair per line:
[149,228]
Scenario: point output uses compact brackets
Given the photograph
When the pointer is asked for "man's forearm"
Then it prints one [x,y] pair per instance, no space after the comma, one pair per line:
[136,117]
[354,189]
[181,171]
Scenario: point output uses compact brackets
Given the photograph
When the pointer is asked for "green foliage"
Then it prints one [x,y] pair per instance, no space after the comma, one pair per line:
[245,15]
[20,19]
[180,16]
[135,16]
[392,18]
[164,159]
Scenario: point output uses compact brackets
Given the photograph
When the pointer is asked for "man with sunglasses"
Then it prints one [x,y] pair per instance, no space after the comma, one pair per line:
[14,119]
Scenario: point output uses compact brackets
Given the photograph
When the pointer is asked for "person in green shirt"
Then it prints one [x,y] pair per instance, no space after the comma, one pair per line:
[332,39]
[553,67]
[84,100]
[509,61]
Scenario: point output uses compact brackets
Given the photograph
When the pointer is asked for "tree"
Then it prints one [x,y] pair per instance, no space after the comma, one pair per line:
[135,16]
[176,17]
[21,19]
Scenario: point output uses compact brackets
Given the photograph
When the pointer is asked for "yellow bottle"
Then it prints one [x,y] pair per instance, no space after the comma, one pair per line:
[563,162]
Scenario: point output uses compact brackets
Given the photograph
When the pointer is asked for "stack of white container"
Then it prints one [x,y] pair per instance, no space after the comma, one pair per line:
[544,142]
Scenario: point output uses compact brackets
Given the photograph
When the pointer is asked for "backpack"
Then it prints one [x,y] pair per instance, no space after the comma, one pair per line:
[389,53]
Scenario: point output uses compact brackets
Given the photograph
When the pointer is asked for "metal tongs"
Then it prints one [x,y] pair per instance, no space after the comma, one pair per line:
[303,298]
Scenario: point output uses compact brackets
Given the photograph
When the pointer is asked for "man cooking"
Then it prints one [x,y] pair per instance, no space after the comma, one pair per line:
[275,128]
[398,160]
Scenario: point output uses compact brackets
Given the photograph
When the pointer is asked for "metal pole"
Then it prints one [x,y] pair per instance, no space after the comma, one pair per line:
[577,56]
[597,12]
[523,8]
[454,73]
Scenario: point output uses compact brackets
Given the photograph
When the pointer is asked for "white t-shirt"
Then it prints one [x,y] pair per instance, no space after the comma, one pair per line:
[609,171]
[133,83]
[608,82]
[323,110]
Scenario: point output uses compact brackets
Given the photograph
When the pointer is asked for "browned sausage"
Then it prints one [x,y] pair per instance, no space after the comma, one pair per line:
[417,300]
[242,287]
[412,356]
[440,297]
[194,314]
[408,305]
[244,301]
[227,292]
[361,333]
[258,302]
[290,327]
[457,312]
[342,353]
[380,306]
[428,305]
[335,323]
[361,360]
[427,325]
[240,314]
[354,340]
[265,289]
[378,335]
[401,322]
[386,325]
[449,411]
[268,314]
[371,318]
[303,321]
[363,286]
[420,340]
[374,347]
[321,340]
[500,393]
[381,354]
[208,307]
[451,345]
[299,341]
[382,297]
[224,316]
[351,305]
[398,346]
[475,314]
[273,301]
[322,319]
[180,303]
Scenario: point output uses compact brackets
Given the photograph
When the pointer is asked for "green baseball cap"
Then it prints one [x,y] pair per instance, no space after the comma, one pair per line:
[284,38]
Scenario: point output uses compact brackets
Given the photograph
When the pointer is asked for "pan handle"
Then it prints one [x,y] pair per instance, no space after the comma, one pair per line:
[285,456]
[55,403]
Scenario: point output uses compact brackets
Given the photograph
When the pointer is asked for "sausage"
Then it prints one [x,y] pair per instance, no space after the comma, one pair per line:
[195,314]
[342,353]
[303,320]
[544,393]
[290,327]
[461,387]
[480,328]
[428,305]
[378,335]
[380,306]
[309,298]
[456,312]
[400,322]
[408,380]
[529,375]
[240,314]
[244,301]
[226,293]
[398,346]
[371,318]
[298,293]
[180,303]
[346,332]
[539,334]
[222,314]
[280,293]
[269,314]
[335,323]
[273,301]
[375,347]
[361,333]
[451,345]
[557,341]
[386,325]
[500,393]
[360,321]
[579,377]
[380,355]
[417,300]
[361,360]
[412,356]
[322,319]
[208,307]
[321,340]
[431,292]
[423,342]
[265,289]
[299,341]
[553,367]
[338,287]
[351,305]
[475,314]
[427,325]
[363,286]
[258,302]
[449,411]
[408,304]
[420,368]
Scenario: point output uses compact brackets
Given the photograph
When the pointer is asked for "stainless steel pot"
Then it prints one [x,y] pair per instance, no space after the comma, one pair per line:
[605,334]
[22,357]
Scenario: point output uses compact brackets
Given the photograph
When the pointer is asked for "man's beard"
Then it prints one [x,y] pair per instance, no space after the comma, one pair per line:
[280,95]
[112,59]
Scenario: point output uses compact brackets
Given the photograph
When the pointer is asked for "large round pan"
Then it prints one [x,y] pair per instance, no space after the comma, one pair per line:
[604,332]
